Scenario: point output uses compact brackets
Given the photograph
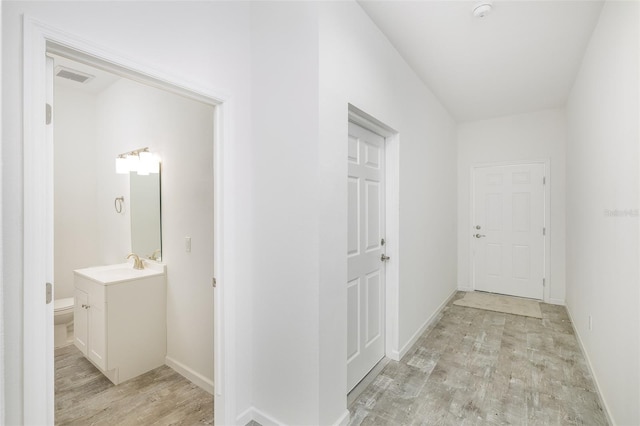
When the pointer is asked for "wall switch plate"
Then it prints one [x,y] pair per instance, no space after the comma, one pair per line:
[187,244]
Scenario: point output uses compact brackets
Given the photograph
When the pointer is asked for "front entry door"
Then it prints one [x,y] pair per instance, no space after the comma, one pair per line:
[508,230]
[365,251]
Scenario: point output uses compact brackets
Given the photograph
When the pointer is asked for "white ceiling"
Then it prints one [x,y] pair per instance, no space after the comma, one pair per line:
[522,57]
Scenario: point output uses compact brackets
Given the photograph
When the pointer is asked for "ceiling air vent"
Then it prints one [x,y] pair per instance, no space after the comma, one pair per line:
[71,74]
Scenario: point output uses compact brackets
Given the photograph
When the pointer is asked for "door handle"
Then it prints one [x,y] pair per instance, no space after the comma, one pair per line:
[479,235]
[384,257]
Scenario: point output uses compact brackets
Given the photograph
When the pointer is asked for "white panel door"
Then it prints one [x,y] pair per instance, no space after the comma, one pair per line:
[508,230]
[366,269]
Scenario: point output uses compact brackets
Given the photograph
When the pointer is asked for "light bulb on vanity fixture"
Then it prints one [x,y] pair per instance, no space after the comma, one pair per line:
[133,161]
[141,161]
[482,8]
[121,164]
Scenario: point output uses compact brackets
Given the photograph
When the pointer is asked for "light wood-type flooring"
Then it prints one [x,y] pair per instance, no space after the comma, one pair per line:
[83,396]
[477,367]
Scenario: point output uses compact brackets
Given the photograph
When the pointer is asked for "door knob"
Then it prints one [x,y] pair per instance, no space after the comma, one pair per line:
[384,257]
[479,235]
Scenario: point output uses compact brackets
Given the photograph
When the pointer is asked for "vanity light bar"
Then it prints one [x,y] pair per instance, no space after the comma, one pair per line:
[140,160]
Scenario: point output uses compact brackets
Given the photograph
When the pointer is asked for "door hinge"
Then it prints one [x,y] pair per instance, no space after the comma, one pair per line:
[48,112]
[544,231]
[49,293]
[544,180]
[214,283]
[544,282]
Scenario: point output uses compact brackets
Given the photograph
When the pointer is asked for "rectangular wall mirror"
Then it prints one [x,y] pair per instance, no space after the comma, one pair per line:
[146,228]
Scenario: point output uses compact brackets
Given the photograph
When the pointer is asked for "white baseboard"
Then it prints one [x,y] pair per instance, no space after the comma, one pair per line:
[422,329]
[245,417]
[196,378]
[258,416]
[607,411]
[344,419]
[556,301]
[465,287]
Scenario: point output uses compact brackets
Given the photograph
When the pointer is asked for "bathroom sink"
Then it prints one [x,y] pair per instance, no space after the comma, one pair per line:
[112,274]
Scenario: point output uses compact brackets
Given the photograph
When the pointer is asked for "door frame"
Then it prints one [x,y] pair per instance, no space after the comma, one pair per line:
[392,224]
[38,372]
[546,262]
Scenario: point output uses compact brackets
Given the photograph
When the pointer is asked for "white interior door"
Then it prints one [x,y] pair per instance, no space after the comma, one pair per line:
[366,269]
[508,230]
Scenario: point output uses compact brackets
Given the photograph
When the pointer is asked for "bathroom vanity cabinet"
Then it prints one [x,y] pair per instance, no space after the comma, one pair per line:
[120,319]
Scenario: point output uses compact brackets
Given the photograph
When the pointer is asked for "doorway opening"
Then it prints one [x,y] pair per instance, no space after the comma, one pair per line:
[41,41]
[509,240]
[103,214]
[372,249]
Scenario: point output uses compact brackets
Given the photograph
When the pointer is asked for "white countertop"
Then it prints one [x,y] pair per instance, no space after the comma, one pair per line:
[112,274]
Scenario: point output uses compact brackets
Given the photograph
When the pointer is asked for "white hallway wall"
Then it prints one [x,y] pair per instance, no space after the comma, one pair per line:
[293,166]
[602,174]
[359,66]
[204,43]
[285,230]
[534,136]
[310,60]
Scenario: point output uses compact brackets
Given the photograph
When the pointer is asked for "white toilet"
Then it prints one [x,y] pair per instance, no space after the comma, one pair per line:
[63,321]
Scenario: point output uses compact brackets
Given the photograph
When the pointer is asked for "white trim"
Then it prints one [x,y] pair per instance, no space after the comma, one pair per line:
[430,321]
[245,417]
[638,301]
[253,414]
[343,420]
[467,287]
[2,402]
[603,402]
[367,380]
[547,217]
[256,415]
[38,38]
[362,119]
[392,222]
[392,270]
[190,374]
[556,301]
[638,336]
[37,353]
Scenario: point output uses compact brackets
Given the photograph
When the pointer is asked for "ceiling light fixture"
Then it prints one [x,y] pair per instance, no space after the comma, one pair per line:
[482,8]
[140,160]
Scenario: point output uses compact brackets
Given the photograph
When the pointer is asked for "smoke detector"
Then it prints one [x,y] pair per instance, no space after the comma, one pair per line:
[482,8]
[74,75]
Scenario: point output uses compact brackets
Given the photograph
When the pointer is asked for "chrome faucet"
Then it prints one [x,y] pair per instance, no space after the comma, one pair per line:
[137,262]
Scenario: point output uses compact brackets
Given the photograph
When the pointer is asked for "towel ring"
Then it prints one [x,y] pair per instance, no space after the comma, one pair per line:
[117,203]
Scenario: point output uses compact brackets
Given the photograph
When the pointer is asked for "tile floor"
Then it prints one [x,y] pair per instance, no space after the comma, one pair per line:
[473,367]
[84,396]
[476,367]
